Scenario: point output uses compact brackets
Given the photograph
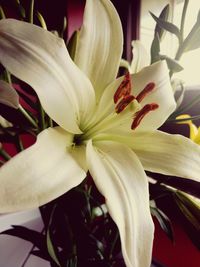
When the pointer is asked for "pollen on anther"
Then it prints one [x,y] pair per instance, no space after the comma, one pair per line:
[124,103]
[147,89]
[124,88]
[142,113]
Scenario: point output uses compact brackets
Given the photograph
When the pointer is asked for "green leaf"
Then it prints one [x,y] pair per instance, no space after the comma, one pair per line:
[190,212]
[168,26]
[163,221]
[164,15]
[50,246]
[192,41]
[187,185]
[155,49]
[190,205]
[172,64]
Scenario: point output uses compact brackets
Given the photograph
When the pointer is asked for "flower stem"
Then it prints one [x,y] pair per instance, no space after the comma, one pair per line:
[31,11]
[4,155]
[2,14]
[28,117]
[8,76]
[42,118]
[183,18]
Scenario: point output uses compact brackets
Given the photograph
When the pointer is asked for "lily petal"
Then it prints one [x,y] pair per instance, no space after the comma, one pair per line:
[100,44]
[40,173]
[141,58]
[8,95]
[39,58]
[162,95]
[120,178]
[167,154]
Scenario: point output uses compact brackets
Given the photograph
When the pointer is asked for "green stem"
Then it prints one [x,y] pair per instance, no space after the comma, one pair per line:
[50,122]
[4,155]
[31,11]
[42,117]
[27,116]
[19,144]
[2,14]
[8,76]
[183,18]
[113,245]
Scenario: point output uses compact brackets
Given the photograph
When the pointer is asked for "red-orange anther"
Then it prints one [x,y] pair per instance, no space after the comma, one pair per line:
[124,89]
[124,103]
[140,114]
[148,89]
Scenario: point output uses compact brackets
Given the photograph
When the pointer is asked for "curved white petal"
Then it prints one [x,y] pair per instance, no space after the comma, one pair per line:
[100,44]
[119,176]
[167,154]
[141,58]
[161,95]
[39,58]
[8,95]
[40,173]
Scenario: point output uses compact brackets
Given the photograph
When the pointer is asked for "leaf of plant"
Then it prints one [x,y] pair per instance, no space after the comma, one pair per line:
[186,185]
[163,221]
[172,64]
[190,213]
[168,26]
[192,41]
[164,15]
[190,205]
[36,238]
[52,250]
[155,49]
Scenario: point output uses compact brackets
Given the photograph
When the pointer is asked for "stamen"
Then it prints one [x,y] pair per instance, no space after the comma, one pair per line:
[124,89]
[124,103]
[140,114]
[148,89]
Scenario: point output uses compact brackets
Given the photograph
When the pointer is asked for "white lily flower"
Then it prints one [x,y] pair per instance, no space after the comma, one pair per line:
[106,125]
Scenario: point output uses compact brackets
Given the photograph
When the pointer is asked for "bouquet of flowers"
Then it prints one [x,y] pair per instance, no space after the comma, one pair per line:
[95,148]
